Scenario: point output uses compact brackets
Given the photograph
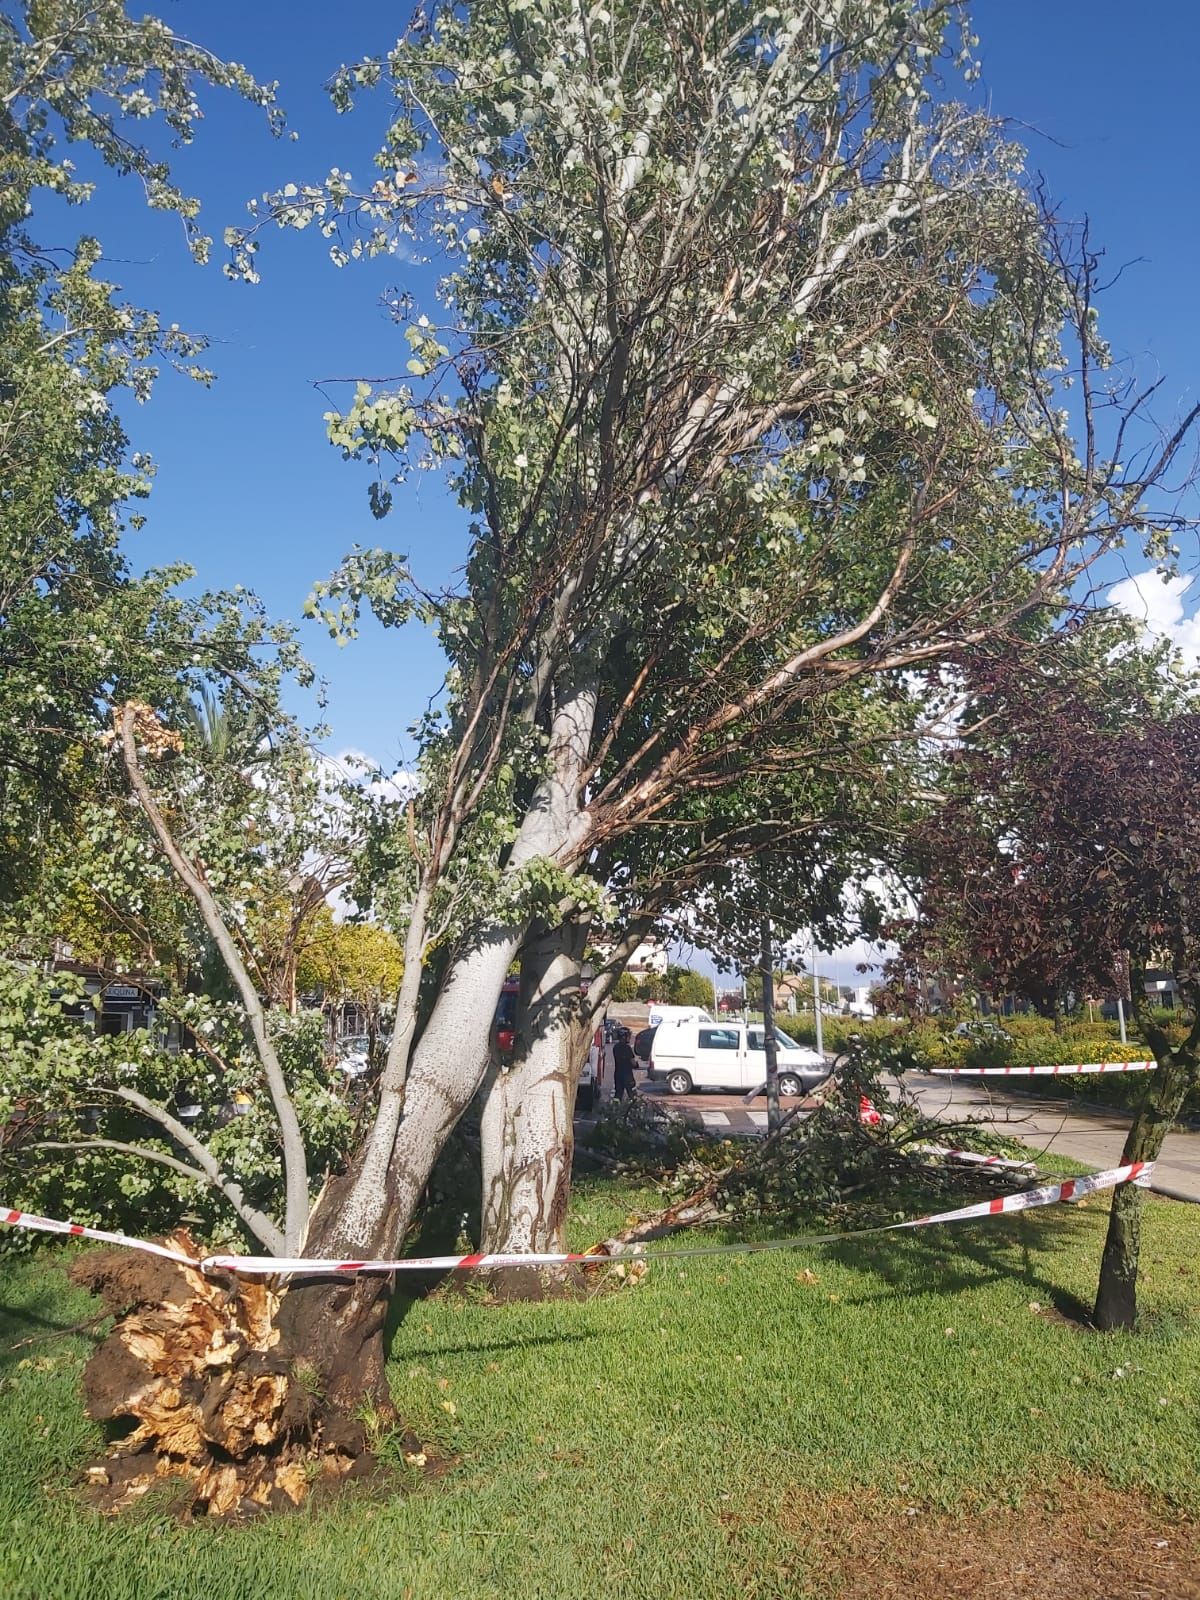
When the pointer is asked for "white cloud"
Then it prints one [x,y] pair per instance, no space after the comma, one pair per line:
[358,767]
[1159,607]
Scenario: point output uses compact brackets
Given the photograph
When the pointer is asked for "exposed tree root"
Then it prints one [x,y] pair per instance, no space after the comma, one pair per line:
[194,1362]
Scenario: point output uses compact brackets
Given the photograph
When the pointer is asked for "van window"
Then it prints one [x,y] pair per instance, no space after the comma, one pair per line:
[756,1039]
[719,1039]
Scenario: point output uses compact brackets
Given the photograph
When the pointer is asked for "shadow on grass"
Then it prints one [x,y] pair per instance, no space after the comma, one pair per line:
[483,1347]
[16,1321]
[989,1252]
[409,1301]
[38,1326]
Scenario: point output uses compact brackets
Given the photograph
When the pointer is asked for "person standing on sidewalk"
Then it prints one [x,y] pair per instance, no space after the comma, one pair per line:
[623,1063]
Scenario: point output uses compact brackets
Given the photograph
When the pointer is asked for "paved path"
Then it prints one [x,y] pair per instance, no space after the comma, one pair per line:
[1057,1125]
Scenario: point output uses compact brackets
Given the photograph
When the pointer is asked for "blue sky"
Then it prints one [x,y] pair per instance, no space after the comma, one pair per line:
[248,490]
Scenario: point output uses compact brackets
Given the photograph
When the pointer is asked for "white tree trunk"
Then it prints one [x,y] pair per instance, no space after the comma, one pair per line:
[527,1141]
[452,1054]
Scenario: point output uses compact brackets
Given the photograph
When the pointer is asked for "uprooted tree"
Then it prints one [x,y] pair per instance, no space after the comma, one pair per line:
[1066,847]
[749,375]
[749,380]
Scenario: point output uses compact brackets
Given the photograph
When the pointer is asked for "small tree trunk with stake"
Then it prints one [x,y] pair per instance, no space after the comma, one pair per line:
[1116,1294]
[770,1050]
[1178,1069]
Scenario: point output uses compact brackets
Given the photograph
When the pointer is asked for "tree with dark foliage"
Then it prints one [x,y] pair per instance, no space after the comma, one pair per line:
[1068,845]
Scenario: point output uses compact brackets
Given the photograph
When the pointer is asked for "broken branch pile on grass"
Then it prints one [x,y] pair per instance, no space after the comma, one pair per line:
[829,1169]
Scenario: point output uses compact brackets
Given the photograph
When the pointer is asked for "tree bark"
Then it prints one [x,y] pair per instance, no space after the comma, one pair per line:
[527,1141]
[368,1212]
[1116,1294]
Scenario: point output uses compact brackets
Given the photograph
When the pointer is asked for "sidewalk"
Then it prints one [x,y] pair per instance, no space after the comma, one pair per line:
[1095,1136]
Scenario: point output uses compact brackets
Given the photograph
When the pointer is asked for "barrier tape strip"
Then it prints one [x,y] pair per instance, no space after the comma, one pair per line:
[1042,1072]
[1072,1189]
[974,1158]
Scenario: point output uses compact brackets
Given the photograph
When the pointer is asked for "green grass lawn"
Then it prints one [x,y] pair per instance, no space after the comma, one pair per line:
[667,1439]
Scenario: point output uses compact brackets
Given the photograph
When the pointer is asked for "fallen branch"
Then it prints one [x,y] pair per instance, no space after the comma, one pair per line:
[697,1211]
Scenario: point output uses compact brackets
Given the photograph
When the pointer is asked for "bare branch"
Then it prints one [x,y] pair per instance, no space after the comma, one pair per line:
[295,1167]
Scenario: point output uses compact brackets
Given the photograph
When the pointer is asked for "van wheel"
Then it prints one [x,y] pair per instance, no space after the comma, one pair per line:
[679,1083]
[789,1083]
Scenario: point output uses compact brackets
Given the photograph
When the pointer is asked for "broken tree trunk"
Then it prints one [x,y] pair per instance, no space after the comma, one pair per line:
[249,1395]
[196,1364]
[700,1209]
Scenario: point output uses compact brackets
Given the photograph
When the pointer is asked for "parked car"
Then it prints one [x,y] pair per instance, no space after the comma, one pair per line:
[983,1030]
[729,1055]
[354,1055]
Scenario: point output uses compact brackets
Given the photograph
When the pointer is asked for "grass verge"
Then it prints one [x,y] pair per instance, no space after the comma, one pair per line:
[692,1436]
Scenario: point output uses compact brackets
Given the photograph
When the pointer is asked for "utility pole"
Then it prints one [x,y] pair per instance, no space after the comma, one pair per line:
[770,1050]
[1122,990]
[817,997]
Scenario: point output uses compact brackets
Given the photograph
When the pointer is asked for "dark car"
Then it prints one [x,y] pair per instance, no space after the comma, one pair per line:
[983,1030]
[644,1043]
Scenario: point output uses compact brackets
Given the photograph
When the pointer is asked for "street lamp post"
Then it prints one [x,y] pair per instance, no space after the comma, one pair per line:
[1123,992]
[817,998]
[769,1047]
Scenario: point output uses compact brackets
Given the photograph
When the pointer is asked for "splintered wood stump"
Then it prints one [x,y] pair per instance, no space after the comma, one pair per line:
[195,1365]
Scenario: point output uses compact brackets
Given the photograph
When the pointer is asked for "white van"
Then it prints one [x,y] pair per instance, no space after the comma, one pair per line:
[729,1055]
[660,1014]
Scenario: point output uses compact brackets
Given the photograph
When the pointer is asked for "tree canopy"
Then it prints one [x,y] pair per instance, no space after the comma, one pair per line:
[79,630]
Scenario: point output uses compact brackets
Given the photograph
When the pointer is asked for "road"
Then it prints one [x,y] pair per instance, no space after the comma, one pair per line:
[725,1116]
[1095,1137]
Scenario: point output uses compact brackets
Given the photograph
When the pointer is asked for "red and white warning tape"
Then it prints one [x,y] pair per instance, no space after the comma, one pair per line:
[289,1264]
[76,1230]
[1043,1072]
[974,1158]
[1047,1194]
